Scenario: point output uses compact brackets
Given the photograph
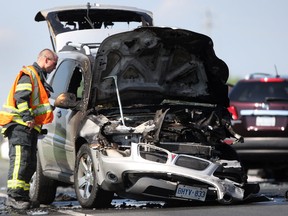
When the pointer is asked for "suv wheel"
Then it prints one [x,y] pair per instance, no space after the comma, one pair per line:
[89,193]
[42,189]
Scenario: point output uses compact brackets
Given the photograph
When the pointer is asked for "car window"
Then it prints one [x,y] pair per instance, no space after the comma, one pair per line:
[76,83]
[258,91]
[61,78]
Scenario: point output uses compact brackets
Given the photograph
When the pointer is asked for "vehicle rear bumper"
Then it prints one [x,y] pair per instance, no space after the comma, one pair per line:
[275,144]
[263,151]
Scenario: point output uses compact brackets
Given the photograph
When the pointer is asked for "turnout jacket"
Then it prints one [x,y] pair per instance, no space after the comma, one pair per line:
[27,100]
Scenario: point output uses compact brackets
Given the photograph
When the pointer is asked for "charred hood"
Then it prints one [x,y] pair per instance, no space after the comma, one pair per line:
[150,64]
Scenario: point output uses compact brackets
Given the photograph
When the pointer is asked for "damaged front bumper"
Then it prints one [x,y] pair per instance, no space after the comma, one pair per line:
[150,171]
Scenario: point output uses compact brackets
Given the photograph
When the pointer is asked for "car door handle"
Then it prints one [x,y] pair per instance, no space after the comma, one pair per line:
[59,114]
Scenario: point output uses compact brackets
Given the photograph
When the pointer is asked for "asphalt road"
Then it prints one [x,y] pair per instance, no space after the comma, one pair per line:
[270,201]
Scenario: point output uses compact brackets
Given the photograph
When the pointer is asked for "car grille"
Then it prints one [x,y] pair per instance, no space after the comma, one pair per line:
[191,162]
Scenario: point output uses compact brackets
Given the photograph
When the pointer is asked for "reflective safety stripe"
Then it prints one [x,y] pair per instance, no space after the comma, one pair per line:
[35,92]
[7,114]
[19,120]
[17,161]
[3,130]
[27,187]
[10,109]
[41,109]
[23,87]
[15,183]
[23,106]
[14,113]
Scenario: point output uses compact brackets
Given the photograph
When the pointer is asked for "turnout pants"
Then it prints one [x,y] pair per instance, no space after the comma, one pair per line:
[23,160]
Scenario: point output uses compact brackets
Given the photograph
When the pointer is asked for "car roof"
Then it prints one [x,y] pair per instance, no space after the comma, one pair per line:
[264,77]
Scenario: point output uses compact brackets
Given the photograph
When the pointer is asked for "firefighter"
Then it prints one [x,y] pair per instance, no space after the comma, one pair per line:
[26,109]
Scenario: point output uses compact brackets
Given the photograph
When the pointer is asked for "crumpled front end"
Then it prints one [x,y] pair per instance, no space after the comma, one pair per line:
[150,171]
[170,151]
[159,118]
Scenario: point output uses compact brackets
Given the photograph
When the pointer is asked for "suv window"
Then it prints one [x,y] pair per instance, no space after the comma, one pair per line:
[76,83]
[259,91]
[70,71]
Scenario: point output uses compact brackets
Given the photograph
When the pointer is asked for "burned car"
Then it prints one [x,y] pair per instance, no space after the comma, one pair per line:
[142,115]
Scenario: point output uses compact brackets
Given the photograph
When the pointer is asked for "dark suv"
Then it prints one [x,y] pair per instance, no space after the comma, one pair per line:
[259,107]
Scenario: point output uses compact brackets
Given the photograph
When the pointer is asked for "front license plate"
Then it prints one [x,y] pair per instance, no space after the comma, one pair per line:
[265,121]
[189,192]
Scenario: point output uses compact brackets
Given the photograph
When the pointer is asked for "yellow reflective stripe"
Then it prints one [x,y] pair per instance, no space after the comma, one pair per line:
[35,93]
[7,113]
[3,130]
[10,109]
[26,187]
[23,87]
[19,120]
[17,162]
[15,183]
[23,106]
[42,109]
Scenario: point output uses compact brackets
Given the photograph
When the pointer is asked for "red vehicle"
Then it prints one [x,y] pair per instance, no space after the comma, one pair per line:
[259,108]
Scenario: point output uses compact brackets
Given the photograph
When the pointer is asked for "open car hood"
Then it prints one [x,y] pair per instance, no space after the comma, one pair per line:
[151,64]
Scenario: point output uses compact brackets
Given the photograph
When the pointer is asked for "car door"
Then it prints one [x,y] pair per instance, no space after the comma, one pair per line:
[57,147]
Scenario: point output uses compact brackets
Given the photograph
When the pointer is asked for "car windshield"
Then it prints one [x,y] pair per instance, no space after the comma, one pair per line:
[259,92]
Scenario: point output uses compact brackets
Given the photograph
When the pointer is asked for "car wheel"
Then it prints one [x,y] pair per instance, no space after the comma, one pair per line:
[42,189]
[88,192]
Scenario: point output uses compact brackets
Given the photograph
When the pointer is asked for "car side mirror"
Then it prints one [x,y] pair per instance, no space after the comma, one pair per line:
[66,100]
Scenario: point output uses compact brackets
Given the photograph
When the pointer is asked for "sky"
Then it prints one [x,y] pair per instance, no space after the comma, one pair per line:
[249,35]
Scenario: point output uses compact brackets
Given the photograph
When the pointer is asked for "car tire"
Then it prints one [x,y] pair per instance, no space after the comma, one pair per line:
[88,192]
[42,189]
